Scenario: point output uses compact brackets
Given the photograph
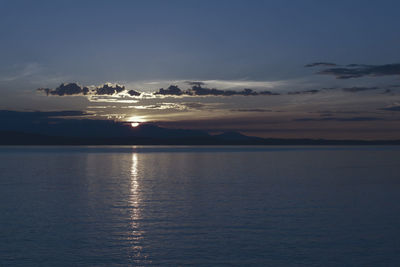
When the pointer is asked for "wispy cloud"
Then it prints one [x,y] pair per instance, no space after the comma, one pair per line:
[358,70]
[359,89]
[20,72]
[340,119]
[313,91]
[251,110]
[392,108]
[162,106]
[324,64]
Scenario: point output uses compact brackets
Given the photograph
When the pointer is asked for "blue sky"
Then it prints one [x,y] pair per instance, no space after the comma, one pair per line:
[146,45]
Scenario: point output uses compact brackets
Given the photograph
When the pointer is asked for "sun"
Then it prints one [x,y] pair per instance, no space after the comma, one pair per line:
[135,121]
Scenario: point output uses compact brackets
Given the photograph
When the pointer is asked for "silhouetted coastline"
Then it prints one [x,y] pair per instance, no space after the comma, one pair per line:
[20,138]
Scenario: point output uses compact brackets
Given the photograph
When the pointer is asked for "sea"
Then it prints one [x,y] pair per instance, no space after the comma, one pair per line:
[199,206]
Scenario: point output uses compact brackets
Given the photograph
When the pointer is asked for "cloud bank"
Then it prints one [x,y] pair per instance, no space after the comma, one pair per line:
[198,90]
[70,89]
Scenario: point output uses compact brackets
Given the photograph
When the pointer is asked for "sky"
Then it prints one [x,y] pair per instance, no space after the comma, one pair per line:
[291,69]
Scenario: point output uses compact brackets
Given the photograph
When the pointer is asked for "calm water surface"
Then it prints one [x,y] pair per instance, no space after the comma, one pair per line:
[208,206]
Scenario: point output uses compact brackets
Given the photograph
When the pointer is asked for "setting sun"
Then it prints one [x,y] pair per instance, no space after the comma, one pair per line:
[136,120]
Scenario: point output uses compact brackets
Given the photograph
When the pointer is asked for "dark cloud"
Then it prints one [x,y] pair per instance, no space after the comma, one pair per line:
[356,89]
[171,90]
[326,114]
[41,114]
[357,71]
[134,93]
[66,89]
[356,65]
[251,110]
[359,89]
[195,83]
[314,91]
[267,93]
[393,108]
[203,91]
[326,64]
[332,112]
[108,89]
[198,90]
[340,119]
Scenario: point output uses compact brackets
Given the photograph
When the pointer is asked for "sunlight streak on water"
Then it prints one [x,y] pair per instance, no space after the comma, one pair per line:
[136,234]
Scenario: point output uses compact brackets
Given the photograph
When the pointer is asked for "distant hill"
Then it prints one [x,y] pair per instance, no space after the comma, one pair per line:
[155,135]
[68,128]
[235,136]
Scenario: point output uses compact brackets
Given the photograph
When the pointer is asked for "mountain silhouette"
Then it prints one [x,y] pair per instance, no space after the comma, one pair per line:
[61,128]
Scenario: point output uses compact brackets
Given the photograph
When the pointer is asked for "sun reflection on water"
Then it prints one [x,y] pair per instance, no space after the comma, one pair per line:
[135,200]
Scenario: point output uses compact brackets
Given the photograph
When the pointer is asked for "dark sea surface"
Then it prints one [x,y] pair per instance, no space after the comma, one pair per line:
[200,206]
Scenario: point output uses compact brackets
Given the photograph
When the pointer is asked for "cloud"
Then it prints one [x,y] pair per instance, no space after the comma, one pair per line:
[194,105]
[267,93]
[40,114]
[314,91]
[69,89]
[359,70]
[66,89]
[198,90]
[238,84]
[356,89]
[64,113]
[109,89]
[176,106]
[134,93]
[112,99]
[251,110]
[203,91]
[392,108]
[195,83]
[171,90]
[359,89]
[116,90]
[331,112]
[20,71]
[326,64]
[163,106]
[26,121]
[340,119]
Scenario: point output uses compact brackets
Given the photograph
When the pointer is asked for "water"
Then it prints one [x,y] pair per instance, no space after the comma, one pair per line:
[210,206]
